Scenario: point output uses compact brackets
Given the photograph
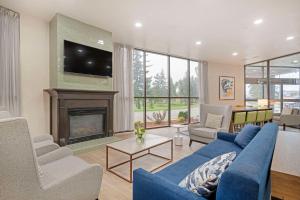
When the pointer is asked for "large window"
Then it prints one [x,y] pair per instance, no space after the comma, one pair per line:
[277,80]
[165,89]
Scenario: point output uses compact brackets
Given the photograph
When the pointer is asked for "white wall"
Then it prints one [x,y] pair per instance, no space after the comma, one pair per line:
[217,69]
[34,39]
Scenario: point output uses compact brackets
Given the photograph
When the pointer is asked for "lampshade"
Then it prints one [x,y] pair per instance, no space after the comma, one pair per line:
[262,102]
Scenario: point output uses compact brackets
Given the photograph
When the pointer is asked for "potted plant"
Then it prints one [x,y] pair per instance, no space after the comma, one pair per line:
[139,131]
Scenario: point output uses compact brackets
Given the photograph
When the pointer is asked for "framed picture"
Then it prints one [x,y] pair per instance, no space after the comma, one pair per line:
[226,88]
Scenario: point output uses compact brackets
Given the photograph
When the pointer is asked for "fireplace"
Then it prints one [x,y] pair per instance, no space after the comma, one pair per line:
[79,115]
[86,124]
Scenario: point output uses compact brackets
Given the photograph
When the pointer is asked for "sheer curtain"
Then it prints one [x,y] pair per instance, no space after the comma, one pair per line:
[203,85]
[122,81]
[9,61]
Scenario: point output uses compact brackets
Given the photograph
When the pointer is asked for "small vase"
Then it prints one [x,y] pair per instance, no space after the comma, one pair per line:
[140,139]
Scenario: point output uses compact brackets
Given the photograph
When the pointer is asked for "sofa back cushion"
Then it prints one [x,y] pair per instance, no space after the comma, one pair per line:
[245,136]
[248,176]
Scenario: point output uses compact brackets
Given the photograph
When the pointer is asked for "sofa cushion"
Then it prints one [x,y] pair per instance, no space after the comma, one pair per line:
[218,147]
[246,135]
[204,179]
[205,132]
[179,170]
[213,121]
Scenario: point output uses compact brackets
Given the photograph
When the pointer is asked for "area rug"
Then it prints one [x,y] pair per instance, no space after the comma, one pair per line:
[91,145]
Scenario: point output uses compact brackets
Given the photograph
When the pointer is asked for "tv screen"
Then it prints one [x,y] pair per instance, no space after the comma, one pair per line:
[82,59]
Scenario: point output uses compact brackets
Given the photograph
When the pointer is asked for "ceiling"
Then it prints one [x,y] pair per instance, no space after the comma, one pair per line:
[173,26]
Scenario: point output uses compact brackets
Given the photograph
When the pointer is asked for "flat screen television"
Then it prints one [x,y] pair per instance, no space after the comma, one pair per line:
[82,59]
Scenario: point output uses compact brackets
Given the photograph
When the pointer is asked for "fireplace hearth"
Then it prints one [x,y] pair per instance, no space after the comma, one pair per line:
[79,115]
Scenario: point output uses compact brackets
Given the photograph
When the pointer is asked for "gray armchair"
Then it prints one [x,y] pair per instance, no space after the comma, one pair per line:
[199,133]
[290,117]
[57,176]
[42,144]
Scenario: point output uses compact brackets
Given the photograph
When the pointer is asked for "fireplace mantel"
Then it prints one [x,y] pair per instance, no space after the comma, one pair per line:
[62,100]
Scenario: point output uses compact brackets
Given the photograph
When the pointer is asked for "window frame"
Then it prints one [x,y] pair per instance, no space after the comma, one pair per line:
[271,81]
[169,97]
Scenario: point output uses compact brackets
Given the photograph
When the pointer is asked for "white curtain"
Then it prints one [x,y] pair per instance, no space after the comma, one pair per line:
[9,61]
[123,83]
[203,85]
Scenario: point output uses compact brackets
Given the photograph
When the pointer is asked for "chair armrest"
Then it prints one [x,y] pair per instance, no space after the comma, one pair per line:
[226,136]
[147,186]
[55,155]
[196,125]
[88,179]
[44,147]
[41,138]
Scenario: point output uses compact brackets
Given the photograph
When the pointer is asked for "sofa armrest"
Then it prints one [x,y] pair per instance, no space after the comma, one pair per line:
[226,136]
[147,186]
[290,119]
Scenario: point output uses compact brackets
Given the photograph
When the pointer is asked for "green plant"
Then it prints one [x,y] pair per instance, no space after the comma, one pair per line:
[139,131]
[183,114]
[157,117]
[181,119]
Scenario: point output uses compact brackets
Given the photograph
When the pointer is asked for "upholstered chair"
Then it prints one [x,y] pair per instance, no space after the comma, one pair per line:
[58,177]
[42,143]
[199,133]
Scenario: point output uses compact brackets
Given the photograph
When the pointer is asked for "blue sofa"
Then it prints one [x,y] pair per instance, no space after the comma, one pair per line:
[247,178]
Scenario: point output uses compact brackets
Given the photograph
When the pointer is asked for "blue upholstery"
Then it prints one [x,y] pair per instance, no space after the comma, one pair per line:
[246,135]
[218,147]
[182,168]
[226,136]
[246,178]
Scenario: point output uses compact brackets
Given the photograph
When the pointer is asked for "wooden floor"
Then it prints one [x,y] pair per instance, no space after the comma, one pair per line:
[284,186]
[115,188]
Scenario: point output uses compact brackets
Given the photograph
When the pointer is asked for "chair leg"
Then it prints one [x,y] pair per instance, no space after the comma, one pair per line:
[190,142]
[284,126]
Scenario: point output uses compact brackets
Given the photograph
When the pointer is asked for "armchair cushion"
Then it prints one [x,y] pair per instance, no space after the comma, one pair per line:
[213,121]
[204,132]
[246,135]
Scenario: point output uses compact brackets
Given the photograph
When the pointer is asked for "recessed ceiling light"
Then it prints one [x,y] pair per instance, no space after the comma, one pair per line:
[295,61]
[100,42]
[79,50]
[290,38]
[258,21]
[138,24]
[235,53]
[90,62]
[198,43]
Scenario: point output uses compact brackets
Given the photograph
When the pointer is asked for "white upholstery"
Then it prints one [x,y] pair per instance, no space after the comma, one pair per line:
[63,179]
[42,144]
[198,132]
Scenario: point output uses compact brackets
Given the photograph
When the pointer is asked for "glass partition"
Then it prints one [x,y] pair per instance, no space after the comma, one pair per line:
[277,80]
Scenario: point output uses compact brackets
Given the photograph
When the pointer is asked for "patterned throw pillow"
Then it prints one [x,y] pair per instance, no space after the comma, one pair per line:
[213,121]
[204,180]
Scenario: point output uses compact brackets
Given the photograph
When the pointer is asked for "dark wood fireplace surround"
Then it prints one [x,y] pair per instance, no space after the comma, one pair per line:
[62,100]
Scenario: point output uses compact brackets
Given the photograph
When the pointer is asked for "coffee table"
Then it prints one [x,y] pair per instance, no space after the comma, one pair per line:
[131,148]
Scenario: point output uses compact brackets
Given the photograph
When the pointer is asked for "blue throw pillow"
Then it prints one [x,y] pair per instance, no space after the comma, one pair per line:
[246,135]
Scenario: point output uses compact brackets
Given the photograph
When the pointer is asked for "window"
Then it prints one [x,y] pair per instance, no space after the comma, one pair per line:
[255,83]
[280,78]
[166,89]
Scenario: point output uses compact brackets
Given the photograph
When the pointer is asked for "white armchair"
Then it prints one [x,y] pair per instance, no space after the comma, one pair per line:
[58,176]
[42,144]
[199,133]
